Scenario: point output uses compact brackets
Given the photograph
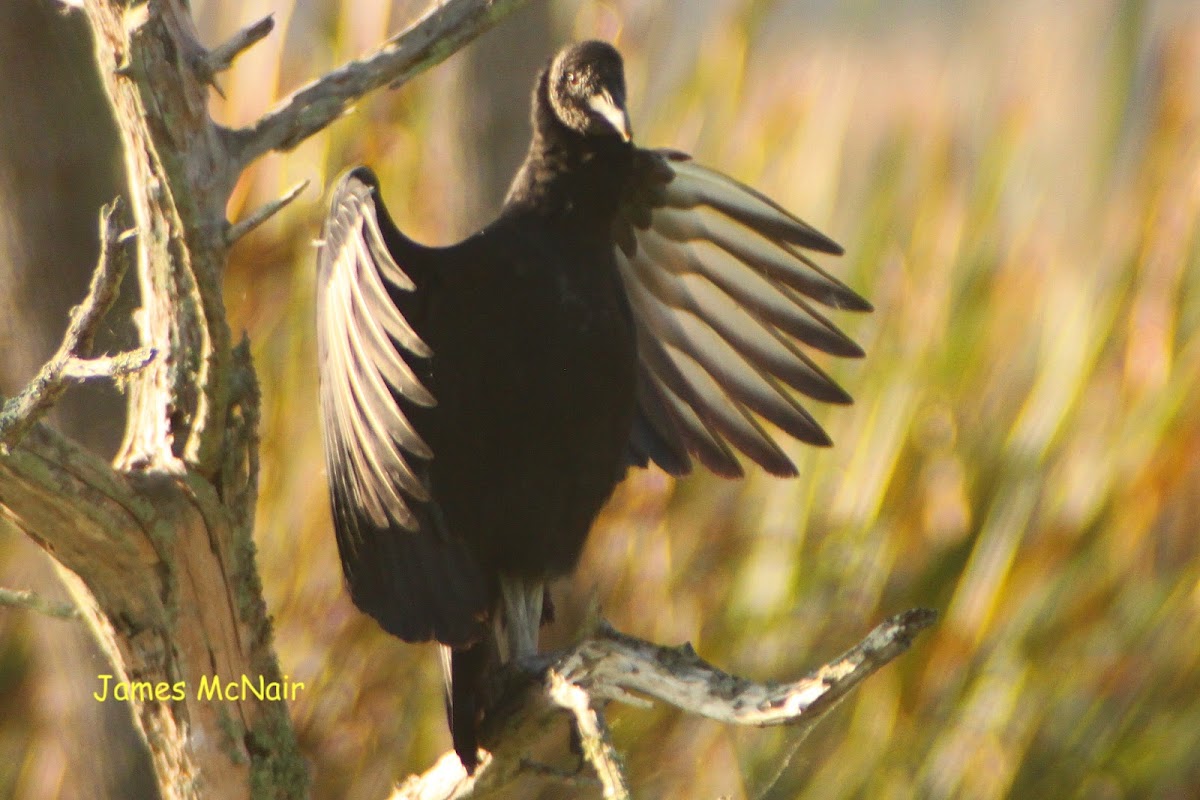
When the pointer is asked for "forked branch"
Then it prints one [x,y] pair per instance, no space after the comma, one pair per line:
[612,665]
[71,364]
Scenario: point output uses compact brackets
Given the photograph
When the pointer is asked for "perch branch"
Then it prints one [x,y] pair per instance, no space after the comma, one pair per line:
[612,665]
[70,363]
[677,676]
[430,40]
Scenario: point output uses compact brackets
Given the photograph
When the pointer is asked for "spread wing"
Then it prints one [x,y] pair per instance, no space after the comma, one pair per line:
[400,566]
[722,293]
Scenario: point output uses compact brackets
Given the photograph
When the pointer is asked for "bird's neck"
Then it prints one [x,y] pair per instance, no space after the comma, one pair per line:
[566,174]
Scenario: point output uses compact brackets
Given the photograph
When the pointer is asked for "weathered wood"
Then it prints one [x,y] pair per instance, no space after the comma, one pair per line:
[70,364]
[610,665]
[165,579]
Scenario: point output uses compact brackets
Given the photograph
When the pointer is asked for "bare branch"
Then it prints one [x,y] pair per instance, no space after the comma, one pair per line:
[611,665]
[676,675]
[70,364]
[220,58]
[260,215]
[593,734]
[17,598]
[116,367]
[432,39]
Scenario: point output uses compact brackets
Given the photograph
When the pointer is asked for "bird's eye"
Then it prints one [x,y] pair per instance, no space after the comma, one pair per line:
[573,79]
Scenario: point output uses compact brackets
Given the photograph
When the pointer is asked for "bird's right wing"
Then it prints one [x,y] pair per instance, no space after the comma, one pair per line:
[401,567]
[720,287]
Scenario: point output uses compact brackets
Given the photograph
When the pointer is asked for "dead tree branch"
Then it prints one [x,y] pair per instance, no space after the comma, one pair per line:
[221,58]
[70,364]
[594,738]
[263,213]
[445,29]
[612,665]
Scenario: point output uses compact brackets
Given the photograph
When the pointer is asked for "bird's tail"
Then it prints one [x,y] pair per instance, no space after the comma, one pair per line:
[465,670]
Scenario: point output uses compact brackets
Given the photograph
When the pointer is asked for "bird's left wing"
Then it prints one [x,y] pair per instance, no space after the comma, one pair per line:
[721,291]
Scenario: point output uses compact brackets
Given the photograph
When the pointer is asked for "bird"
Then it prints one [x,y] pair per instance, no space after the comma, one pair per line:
[481,401]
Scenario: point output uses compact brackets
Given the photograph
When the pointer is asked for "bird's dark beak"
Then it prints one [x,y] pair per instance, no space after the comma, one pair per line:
[613,113]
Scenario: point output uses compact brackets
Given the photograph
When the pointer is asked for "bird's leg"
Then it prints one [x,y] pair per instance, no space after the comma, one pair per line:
[522,599]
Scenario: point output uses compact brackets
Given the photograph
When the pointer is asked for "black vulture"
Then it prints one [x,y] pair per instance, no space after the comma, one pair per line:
[481,401]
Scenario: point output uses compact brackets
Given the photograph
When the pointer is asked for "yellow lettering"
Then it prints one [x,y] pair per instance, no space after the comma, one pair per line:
[249,688]
[210,686]
[102,695]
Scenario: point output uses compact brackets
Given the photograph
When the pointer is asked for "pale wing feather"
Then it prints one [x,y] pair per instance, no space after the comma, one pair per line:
[362,338]
[720,289]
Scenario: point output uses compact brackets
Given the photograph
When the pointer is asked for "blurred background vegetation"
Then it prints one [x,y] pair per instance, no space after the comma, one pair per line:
[1017,187]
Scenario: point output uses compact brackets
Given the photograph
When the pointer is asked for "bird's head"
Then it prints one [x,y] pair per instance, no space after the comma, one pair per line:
[586,88]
